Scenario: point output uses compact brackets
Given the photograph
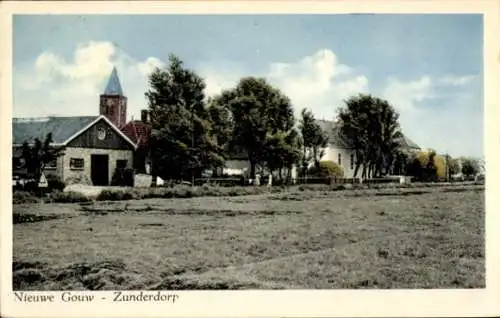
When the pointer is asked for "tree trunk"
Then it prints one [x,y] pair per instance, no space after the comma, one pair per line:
[252,169]
[315,162]
[304,163]
[356,169]
[154,175]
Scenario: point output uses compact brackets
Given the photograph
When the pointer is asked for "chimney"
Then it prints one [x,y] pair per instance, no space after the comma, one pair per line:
[144,115]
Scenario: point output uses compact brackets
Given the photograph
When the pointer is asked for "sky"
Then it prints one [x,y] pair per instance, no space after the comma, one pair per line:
[428,66]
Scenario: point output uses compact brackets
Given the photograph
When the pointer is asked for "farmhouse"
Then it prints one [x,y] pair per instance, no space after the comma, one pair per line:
[94,146]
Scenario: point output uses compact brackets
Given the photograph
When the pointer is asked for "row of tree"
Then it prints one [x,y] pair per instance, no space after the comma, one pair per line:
[255,121]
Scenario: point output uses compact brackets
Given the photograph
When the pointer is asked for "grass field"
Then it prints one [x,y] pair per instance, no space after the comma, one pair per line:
[399,238]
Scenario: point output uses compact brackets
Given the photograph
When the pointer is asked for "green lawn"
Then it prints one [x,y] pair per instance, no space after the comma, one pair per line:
[402,238]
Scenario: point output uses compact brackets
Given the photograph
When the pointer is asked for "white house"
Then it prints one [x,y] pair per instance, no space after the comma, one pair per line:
[345,157]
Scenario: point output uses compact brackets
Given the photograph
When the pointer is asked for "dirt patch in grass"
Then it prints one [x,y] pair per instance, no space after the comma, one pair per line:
[30,218]
[104,275]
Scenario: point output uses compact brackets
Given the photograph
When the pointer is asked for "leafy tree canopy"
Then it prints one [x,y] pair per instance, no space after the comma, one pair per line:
[369,125]
[262,123]
[182,140]
[315,140]
[37,156]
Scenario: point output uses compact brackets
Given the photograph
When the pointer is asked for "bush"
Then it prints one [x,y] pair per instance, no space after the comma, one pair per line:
[426,166]
[20,197]
[68,197]
[31,186]
[54,183]
[123,177]
[117,195]
[327,169]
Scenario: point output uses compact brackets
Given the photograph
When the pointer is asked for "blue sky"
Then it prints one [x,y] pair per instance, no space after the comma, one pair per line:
[429,67]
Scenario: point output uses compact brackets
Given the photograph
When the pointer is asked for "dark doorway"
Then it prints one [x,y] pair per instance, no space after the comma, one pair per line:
[99,170]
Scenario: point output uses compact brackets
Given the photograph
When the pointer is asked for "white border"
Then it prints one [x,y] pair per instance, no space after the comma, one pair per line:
[318,303]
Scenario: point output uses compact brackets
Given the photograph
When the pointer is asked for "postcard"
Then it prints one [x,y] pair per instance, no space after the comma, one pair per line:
[250,159]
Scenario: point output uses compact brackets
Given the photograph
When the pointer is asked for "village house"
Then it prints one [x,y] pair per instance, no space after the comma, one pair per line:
[94,146]
[345,157]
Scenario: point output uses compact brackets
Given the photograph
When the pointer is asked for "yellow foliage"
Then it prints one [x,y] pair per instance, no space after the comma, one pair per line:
[439,162]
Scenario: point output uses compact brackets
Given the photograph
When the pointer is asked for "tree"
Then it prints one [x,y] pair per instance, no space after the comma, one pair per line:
[282,152]
[428,166]
[453,166]
[35,157]
[369,126]
[314,140]
[182,143]
[401,162]
[222,127]
[470,167]
[262,118]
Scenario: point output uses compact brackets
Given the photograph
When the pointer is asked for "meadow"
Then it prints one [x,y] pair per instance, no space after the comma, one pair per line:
[418,237]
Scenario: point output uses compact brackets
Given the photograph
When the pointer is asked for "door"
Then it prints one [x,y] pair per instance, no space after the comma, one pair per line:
[99,170]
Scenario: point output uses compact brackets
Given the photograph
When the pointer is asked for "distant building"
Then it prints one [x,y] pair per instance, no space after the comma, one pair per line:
[346,157]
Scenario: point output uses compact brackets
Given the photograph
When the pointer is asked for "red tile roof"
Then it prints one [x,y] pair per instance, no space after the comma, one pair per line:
[138,132]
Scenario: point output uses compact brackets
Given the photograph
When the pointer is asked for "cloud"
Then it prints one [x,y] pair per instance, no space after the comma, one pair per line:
[458,80]
[55,86]
[405,96]
[219,77]
[319,82]
[450,122]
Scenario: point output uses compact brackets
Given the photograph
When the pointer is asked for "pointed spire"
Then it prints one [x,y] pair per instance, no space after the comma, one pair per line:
[113,87]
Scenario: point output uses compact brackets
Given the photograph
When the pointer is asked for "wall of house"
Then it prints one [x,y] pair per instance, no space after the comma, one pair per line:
[332,153]
[84,174]
[238,165]
[347,162]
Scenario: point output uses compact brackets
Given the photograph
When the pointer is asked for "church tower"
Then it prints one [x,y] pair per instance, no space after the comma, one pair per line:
[112,103]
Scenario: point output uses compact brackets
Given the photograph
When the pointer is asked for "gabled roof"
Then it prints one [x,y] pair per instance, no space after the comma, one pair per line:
[406,142]
[63,129]
[332,129]
[113,87]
